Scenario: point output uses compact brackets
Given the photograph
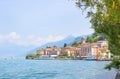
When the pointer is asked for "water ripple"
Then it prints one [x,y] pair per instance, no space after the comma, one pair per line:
[24,69]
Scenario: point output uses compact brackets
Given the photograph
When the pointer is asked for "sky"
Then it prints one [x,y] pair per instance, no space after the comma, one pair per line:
[31,23]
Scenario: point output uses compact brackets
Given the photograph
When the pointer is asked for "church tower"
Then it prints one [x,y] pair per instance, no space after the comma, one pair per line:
[83,40]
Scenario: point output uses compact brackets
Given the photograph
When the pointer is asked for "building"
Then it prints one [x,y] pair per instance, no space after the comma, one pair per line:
[49,52]
[70,51]
[104,52]
[40,51]
[98,50]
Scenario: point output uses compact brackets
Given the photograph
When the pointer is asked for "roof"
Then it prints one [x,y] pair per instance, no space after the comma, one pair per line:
[71,48]
[51,49]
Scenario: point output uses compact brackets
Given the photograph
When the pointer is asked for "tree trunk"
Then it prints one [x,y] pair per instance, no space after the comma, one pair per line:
[118,75]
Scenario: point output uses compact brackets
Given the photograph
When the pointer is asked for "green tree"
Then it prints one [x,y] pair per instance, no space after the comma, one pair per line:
[65,45]
[75,44]
[32,56]
[89,39]
[48,47]
[105,19]
[94,38]
[80,42]
[95,34]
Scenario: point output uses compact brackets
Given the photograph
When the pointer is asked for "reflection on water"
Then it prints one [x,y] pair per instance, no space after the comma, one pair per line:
[54,69]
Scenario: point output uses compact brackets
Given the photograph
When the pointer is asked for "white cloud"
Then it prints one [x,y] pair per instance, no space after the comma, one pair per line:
[9,38]
[13,35]
[30,40]
[31,36]
[40,41]
[1,37]
[53,38]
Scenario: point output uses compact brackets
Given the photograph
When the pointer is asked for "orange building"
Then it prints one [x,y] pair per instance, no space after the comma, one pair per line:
[51,52]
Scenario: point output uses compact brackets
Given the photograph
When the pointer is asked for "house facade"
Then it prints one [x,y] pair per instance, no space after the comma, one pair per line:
[98,50]
[49,52]
[103,52]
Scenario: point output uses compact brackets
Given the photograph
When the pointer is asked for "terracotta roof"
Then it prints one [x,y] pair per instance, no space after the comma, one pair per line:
[85,44]
[50,49]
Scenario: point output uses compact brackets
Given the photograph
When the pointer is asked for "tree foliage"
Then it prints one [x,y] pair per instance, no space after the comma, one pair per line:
[75,44]
[65,45]
[32,56]
[94,38]
[105,18]
[115,64]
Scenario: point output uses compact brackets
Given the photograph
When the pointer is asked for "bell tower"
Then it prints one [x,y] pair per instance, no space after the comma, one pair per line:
[83,40]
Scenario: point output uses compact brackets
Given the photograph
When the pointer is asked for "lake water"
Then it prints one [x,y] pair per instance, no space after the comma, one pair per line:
[54,69]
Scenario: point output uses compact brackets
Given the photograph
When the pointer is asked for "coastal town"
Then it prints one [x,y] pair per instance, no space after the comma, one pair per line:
[89,51]
[60,39]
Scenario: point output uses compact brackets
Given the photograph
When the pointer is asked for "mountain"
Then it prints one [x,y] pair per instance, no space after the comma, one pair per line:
[60,43]
[68,40]
[9,49]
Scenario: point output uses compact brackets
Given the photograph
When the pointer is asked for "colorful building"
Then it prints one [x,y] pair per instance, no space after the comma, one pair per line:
[50,52]
[98,50]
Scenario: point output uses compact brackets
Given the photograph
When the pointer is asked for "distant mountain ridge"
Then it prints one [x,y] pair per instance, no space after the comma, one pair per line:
[68,40]
[60,43]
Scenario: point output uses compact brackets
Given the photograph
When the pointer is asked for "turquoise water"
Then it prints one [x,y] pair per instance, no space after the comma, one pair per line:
[54,69]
